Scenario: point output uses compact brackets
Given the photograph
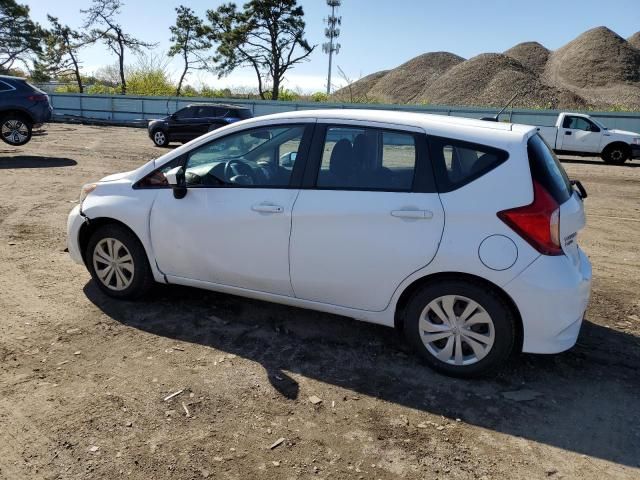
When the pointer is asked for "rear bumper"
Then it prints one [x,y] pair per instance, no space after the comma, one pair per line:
[635,151]
[552,295]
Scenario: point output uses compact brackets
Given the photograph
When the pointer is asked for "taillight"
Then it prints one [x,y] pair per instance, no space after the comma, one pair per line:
[37,98]
[538,223]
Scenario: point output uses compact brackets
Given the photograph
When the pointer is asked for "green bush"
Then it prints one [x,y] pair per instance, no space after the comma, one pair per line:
[319,97]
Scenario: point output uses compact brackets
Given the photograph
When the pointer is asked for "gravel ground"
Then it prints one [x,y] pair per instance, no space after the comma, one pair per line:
[83,377]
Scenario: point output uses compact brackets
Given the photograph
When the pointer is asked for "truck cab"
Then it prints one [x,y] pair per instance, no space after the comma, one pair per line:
[580,134]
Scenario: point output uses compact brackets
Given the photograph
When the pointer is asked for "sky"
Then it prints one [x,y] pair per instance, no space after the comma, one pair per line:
[375,35]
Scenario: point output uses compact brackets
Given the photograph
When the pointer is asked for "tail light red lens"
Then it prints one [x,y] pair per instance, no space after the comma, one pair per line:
[538,223]
[37,98]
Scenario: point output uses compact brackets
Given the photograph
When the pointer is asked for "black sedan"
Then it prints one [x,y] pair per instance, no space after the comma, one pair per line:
[195,120]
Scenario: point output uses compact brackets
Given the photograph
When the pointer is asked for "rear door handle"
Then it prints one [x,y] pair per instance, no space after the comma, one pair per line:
[418,214]
[567,132]
[267,208]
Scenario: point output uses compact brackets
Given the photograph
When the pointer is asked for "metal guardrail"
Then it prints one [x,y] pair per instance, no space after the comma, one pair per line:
[135,110]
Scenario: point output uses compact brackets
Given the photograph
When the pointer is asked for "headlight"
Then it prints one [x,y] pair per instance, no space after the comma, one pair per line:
[86,190]
[636,141]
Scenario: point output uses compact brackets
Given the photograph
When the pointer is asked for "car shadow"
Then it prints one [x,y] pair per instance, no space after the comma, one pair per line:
[32,161]
[599,162]
[584,398]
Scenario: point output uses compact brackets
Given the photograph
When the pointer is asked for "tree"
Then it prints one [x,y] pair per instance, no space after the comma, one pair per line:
[60,55]
[20,36]
[267,35]
[102,16]
[190,37]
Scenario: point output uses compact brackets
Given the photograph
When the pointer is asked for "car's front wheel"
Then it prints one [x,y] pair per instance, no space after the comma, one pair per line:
[15,130]
[118,262]
[160,138]
[460,328]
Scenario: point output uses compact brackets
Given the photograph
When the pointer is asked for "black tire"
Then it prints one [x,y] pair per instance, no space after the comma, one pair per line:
[141,280]
[616,154]
[15,129]
[500,313]
[160,137]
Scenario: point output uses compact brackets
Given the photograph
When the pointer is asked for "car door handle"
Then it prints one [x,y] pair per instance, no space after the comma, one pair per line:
[267,208]
[567,132]
[419,214]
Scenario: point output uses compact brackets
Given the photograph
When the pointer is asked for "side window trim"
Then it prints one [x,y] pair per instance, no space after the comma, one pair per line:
[7,87]
[423,174]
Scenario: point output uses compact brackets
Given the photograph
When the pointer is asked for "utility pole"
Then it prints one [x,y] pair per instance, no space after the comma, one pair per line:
[332,32]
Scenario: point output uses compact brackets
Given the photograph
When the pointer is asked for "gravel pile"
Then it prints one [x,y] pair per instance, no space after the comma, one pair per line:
[598,69]
[406,83]
[530,54]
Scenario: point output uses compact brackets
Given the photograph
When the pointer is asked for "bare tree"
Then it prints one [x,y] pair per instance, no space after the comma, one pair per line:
[190,37]
[267,35]
[101,17]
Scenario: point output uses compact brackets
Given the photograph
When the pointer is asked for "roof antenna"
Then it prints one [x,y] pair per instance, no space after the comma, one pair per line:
[497,115]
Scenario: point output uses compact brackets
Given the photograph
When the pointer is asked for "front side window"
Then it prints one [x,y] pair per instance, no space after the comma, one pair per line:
[260,157]
[579,123]
[367,159]
[457,163]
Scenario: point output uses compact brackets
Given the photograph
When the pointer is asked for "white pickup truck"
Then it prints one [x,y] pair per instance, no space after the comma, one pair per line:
[579,134]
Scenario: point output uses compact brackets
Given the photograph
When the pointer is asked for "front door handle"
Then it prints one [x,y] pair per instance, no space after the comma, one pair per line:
[567,132]
[267,208]
[418,214]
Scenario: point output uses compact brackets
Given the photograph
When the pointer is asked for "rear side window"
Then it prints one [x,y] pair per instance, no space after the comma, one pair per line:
[457,163]
[5,87]
[367,159]
[547,170]
[241,113]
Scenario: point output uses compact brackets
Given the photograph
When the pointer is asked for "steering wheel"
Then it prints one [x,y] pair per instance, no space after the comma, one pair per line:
[236,171]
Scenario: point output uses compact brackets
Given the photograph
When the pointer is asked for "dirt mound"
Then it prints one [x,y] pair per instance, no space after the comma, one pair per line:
[359,90]
[491,79]
[407,82]
[634,40]
[530,54]
[597,58]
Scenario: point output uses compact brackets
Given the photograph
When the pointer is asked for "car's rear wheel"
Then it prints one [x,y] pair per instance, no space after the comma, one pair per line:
[15,130]
[160,138]
[118,262]
[460,328]
[616,154]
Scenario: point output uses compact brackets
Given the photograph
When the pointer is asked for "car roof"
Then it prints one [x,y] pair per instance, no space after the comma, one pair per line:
[9,77]
[225,105]
[432,123]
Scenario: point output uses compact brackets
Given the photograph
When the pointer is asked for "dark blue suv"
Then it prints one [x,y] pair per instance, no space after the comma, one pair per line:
[195,120]
[22,107]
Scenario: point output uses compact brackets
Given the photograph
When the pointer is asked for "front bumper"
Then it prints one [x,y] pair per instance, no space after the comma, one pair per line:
[74,224]
[635,151]
[552,295]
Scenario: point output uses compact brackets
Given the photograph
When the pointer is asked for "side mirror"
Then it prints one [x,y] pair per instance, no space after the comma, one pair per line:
[287,159]
[173,116]
[176,180]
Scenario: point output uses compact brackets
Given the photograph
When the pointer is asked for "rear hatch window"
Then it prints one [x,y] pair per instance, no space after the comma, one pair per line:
[547,170]
[243,113]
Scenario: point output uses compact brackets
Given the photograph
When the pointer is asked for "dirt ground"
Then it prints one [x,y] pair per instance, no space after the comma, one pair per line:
[83,377]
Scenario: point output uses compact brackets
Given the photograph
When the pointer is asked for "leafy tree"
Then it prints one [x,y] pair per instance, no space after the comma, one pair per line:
[102,16]
[60,55]
[190,37]
[267,35]
[20,36]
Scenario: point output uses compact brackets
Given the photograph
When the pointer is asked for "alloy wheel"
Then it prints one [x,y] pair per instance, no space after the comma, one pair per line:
[113,264]
[15,131]
[456,330]
[159,138]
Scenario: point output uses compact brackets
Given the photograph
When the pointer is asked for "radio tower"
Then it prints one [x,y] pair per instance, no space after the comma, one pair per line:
[332,32]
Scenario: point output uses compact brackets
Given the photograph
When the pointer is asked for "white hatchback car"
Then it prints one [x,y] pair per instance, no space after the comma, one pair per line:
[460,232]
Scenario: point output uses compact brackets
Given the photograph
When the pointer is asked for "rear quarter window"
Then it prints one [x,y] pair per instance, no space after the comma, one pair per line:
[547,170]
[457,163]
